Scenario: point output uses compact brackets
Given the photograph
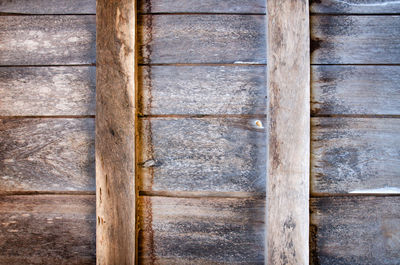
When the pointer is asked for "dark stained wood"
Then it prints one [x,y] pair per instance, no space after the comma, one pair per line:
[355,39]
[47,229]
[213,154]
[202,90]
[355,155]
[355,230]
[355,6]
[48,6]
[205,6]
[47,91]
[201,230]
[355,90]
[202,39]
[47,40]
[47,154]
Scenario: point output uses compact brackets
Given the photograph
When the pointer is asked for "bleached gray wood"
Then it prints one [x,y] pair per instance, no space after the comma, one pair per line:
[355,6]
[48,6]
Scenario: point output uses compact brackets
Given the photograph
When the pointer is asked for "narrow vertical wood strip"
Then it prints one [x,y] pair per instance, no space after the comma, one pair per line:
[289,132]
[115,133]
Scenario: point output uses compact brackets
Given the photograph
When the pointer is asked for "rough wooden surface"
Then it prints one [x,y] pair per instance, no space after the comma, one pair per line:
[47,40]
[355,39]
[288,132]
[355,90]
[350,154]
[202,90]
[201,231]
[202,39]
[355,6]
[115,132]
[213,154]
[205,6]
[46,154]
[47,229]
[30,91]
[355,230]
[48,6]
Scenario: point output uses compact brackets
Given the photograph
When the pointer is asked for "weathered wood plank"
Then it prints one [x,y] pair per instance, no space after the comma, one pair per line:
[355,230]
[47,40]
[202,39]
[355,155]
[48,6]
[201,231]
[212,154]
[288,132]
[115,131]
[355,39]
[205,6]
[202,90]
[47,91]
[355,6]
[46,154]
[355,90]
[47,229]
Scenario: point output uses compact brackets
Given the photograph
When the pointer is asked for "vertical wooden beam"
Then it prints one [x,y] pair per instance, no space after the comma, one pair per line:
[289,132]
[115,131]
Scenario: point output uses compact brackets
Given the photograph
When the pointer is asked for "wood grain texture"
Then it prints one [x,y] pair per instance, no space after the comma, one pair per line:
[47,40]
[355,230]
[205,6]
[48,6]
[201,231]
[115,132]
[355,39]
[213,154]
[288,132]
[355,90]
[202,39]
[202,90]
[47,229]
[47,91]
[351,154]
[355,6]
[46,154]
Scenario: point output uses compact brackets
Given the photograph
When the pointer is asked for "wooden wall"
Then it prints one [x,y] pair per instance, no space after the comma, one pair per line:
[47,108]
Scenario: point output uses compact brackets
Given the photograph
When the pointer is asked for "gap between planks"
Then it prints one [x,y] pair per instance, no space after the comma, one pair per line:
[50,117]
[203,64]
[202,194]
[47,65]
[333,195]
[366,116]
[202,116]
[13,193]
[42,15]
[202,13]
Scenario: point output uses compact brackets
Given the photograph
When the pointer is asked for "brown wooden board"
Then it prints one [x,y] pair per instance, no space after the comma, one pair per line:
[47,229]
[47,40]
[202,90]
[355,230]
[47,154]
[201,230]
[48,6]
[202,39]
[355,39]
[202,154]
[359,155]
[355,6]
[355,90]
[30,91]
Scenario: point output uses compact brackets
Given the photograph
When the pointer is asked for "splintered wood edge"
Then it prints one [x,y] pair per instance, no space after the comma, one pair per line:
[288,51]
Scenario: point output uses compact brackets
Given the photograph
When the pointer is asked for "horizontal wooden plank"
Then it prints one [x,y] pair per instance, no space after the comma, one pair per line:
[355,230]
[47,154]
[355,6]
[48,229]
[202,90]
[201,231]
[356,155]
[355,90]
[213,154]
[48,6]
[47,40]
[47,91]
[355,39]
[205,6]
[202,39]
